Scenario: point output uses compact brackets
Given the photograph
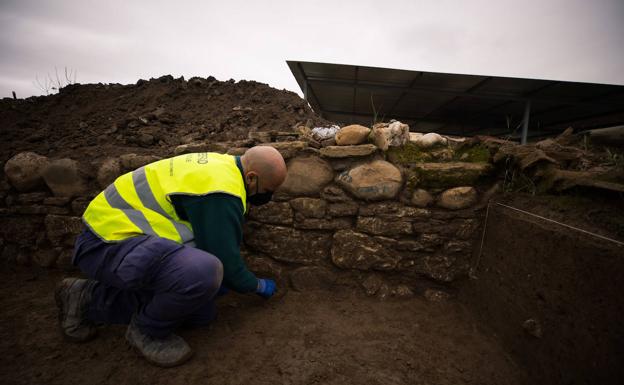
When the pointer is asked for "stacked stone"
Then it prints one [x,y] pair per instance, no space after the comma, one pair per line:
[392,208]
[43,200]
[345,207]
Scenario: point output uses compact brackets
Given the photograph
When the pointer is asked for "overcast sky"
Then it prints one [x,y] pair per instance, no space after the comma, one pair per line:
[116,41]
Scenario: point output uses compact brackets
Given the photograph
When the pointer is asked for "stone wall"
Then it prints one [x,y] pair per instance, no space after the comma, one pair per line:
[393,211]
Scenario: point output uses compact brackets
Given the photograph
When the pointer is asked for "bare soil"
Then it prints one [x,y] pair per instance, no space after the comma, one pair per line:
[92,121]
[301,338]
[553,294]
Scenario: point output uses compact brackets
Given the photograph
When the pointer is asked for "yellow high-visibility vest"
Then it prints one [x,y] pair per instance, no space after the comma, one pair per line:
[139,202]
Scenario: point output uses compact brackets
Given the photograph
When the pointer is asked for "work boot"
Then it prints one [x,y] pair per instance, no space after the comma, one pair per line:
[72,299]
[166,352]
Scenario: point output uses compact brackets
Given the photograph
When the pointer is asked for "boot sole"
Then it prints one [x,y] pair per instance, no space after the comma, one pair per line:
[59,305]
[179,362]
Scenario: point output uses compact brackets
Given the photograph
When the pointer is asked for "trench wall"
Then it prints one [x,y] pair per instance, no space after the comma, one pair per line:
[553,297]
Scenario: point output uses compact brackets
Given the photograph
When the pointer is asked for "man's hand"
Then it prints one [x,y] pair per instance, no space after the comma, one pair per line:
[266,288]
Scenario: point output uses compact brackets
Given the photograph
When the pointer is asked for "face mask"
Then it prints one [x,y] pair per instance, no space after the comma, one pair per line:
[259,199]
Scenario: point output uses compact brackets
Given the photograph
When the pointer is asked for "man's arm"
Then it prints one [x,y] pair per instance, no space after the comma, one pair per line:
[217,225]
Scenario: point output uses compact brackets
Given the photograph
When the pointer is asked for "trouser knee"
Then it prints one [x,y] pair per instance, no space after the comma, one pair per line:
[201,276]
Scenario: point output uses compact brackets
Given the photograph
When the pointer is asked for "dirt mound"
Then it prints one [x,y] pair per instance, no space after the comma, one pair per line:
[147,117]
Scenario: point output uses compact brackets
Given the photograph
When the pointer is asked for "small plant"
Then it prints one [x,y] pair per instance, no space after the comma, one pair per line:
[375,113]
[51,84]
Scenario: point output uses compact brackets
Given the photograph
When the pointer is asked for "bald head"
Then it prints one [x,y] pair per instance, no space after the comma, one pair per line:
[263,165]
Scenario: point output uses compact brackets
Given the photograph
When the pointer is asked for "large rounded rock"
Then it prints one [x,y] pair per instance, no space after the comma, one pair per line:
[109,171]
[376,180]
[24,170]
[353,134]
[64,178]
[307,176]
[458,198]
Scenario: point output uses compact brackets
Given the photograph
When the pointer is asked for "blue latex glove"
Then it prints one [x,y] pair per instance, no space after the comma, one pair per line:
[266,288]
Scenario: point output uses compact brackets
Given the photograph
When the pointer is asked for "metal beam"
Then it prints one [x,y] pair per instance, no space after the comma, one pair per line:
[493,96]
[525,122]
[310,91]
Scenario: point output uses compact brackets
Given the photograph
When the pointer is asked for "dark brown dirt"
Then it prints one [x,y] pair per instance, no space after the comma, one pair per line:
[302,338]
[95,120]
[553,294]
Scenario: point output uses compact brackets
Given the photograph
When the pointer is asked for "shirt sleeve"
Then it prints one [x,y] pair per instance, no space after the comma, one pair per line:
[217,221]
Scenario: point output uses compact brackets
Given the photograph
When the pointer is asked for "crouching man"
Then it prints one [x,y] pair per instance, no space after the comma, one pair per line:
[160,242]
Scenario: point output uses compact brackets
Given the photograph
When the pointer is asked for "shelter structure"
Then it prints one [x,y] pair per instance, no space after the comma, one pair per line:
[457,104]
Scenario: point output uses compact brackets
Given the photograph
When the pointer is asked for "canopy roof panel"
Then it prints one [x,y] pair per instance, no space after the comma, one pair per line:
[455,104]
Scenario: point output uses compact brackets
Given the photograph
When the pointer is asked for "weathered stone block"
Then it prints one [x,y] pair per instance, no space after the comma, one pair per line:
[383,226]
[108,172]
[263,267]
[353,250]
[392,134]
[288,244]
[56,201]
[342,209]
[288,149]
[443,267]
[377,180]
[60,228]
[467,228]
[24,171]
[307,176]
[445,175]
[352,134]
[31,198]
[324,224]
[198,147]
[458,198]
[421,198]
[393,210]
[130,162]
[456,246]
[334,194]
[348,151]
[430,140]
[64,178]
[79,205]
[278,213]
[310,207]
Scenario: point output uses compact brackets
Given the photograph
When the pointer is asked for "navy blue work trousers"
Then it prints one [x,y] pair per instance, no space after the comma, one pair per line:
[165,285]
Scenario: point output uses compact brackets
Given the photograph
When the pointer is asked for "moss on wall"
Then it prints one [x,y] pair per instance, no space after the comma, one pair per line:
[478,153]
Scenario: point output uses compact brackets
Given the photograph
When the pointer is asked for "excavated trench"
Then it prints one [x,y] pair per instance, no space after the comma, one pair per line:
[405,266]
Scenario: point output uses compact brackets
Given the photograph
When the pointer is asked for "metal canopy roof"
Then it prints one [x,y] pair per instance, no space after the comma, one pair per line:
[456,104]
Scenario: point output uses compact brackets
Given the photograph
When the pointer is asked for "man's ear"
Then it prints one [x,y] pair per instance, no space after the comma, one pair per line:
[250,177]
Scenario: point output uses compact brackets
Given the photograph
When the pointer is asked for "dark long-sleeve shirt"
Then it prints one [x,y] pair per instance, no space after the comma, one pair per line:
[217,221]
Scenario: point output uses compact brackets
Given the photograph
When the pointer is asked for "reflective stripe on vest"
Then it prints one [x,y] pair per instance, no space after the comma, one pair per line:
[139,202]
